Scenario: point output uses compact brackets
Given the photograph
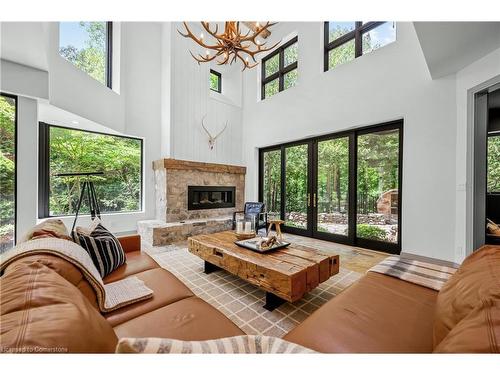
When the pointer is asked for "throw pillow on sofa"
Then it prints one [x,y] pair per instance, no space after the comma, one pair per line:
[103,247]
[475,283]
[478,332]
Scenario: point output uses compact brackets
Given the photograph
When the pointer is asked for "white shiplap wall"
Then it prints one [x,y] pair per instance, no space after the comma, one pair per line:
[192,99]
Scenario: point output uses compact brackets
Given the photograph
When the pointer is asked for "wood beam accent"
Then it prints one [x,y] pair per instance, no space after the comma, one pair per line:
[197,166]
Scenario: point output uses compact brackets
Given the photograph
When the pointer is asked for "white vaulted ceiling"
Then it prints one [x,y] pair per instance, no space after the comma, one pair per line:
[451,46]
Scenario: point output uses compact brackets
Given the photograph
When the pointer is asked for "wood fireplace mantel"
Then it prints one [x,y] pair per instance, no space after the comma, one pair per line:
[197,166]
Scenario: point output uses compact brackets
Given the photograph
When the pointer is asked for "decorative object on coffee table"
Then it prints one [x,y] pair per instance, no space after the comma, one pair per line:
[285,274]
[245,228]
[264,244]
[277,225]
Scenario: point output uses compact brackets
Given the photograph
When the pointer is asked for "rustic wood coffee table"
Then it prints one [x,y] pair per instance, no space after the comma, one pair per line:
[285,274]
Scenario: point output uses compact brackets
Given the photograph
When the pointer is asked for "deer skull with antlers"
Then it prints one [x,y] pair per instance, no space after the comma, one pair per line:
[211,138]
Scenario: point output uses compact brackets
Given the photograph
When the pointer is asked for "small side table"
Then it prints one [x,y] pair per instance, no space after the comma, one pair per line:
[277,225]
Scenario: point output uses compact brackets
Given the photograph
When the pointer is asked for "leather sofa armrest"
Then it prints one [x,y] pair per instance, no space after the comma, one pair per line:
[130,243]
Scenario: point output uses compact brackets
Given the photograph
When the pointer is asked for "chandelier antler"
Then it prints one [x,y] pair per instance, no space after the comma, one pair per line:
[232,44]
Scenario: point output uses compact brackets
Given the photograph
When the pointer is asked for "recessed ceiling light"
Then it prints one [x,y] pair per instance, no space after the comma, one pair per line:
[75,122]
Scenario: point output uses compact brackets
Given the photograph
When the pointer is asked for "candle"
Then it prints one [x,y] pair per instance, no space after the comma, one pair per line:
[248,226]
[239,227]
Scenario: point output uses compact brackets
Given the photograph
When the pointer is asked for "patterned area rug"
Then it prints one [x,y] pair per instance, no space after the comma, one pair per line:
[242,302]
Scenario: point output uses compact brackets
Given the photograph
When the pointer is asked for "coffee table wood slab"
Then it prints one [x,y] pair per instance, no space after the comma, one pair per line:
[287,273]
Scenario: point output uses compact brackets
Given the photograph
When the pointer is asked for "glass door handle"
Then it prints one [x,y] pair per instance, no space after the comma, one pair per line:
[308,199]
[314,200]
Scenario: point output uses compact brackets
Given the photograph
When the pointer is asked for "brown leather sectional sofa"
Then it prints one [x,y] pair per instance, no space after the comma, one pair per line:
[47,306]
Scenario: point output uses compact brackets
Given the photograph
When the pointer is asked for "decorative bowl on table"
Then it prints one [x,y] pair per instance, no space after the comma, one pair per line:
[263,244]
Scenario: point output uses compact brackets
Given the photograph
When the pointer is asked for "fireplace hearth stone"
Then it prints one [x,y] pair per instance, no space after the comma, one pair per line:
[160,233]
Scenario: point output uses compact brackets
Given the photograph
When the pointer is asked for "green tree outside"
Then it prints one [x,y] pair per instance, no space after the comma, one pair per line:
[92,58]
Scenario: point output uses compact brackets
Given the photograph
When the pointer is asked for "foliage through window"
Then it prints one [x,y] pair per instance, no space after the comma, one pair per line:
[215,81]
[8,120]
[279,69]
[88,46]
[344,41]
[493,176]
[344,187]
[67,151]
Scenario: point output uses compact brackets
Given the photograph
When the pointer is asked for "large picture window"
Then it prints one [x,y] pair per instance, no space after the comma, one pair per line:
[8,127]
[88,45]
[65,152]
[343,187]
[279,69]
[344,41]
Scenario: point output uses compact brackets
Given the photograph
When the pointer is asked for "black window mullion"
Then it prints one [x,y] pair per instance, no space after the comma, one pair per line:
[290,67]
[109,54]
[356,34]
[282,69]
[281,66]
[272,77]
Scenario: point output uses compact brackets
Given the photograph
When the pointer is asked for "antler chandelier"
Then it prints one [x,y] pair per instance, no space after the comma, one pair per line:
[232,44]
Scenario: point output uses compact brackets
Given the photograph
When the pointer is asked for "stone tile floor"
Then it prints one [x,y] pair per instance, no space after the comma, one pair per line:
[243,303]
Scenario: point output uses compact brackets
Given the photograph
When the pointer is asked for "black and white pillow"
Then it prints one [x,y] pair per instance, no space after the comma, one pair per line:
[105,250]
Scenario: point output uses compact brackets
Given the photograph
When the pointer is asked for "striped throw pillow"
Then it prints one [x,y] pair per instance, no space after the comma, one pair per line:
[229,345]
[104,248]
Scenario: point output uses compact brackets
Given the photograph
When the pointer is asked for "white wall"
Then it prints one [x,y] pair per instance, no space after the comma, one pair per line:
[73,95]
[75,91]
[192,99]
[477,73]
[390,83]
[27,165]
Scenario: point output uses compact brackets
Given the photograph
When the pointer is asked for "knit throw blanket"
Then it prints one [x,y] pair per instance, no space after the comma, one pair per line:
[425,274]
[110,297]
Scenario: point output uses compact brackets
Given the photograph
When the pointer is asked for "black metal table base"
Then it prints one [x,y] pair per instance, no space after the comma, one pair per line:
[273,301]
[209,268]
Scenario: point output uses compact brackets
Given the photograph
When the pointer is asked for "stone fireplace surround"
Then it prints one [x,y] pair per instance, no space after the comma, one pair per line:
[174,221]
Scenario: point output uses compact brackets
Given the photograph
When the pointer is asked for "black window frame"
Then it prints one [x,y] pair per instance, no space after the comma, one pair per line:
[353,134]
[109,55]
[44,169]
[16,119]
[219,81]
[282,70]
[360,28]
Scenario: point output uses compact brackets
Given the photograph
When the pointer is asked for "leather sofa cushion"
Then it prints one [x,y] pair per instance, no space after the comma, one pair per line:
[137,261]
[188,319]
[476,281]
[166,289]
[478,332]
[42,312]
[377,314]
[64,268]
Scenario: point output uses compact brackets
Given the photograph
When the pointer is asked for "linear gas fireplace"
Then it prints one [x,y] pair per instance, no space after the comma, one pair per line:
[207,197]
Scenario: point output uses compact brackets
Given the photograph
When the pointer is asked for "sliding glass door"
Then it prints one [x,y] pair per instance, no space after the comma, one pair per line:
[331,195]
[378,188]
[297,196]
[342,187]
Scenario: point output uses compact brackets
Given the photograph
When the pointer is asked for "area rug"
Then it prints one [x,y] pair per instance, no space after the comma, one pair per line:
[242,302]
